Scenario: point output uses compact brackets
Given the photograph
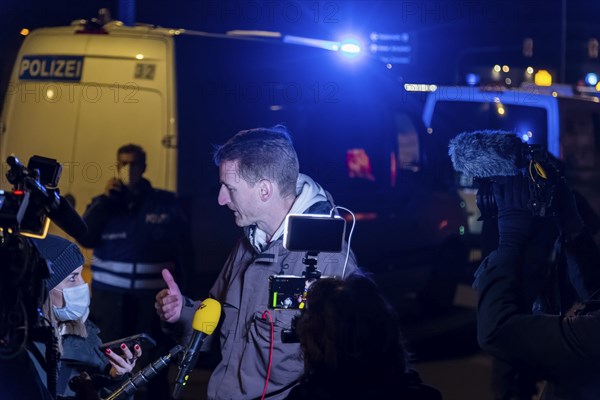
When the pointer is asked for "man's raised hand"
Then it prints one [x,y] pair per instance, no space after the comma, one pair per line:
[169,301]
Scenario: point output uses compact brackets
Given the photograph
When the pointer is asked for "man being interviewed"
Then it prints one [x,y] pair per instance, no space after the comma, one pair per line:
[261,184]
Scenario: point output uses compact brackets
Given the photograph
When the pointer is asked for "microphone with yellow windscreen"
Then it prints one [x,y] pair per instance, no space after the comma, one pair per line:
[205,321]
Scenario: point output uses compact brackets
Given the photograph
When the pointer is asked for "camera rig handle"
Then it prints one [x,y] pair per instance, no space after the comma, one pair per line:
[310,260]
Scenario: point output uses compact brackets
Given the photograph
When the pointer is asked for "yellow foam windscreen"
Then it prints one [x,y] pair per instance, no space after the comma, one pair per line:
[207,316]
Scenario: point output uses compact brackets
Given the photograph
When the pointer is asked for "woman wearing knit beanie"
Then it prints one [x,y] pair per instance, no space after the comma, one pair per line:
[76,342]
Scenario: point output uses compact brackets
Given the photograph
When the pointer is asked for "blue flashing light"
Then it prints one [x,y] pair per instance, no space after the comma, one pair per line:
[591,79]
[525,137]
[472,79]
[350,48]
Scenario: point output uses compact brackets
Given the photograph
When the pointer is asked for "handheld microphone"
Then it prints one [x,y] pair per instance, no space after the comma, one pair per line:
[483,154]
[205,321]
[143,376]
[67,219]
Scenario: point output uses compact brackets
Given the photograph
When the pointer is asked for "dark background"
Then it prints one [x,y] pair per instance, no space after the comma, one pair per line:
[446,36]
[448,39]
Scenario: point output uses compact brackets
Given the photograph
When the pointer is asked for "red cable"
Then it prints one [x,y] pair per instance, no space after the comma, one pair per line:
[264,316]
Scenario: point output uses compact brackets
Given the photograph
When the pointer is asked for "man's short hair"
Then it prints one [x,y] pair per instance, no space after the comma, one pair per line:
[263,153]
[133,148]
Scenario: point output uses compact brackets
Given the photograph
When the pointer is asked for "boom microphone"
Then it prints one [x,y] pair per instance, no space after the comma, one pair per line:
[67,219]
[143,376]
[483,154]
[205,321]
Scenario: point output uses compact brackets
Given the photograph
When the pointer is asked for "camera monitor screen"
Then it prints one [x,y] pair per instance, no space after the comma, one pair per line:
[50,169]
[314,233]
[287,292]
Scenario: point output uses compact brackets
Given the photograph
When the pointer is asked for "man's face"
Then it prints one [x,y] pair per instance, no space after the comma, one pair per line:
[238,195]
[131,162]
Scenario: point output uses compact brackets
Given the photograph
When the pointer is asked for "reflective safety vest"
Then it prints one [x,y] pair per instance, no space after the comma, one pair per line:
[129,275]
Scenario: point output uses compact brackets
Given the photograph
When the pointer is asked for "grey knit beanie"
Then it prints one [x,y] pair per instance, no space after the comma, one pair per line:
[62,255]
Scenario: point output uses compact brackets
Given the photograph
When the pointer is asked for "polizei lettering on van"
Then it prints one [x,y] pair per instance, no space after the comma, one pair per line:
[51,68]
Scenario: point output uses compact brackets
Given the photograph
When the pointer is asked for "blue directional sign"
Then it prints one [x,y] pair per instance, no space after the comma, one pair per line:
[391,48]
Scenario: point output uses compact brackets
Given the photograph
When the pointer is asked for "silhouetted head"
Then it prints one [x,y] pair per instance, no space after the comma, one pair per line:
[349,328]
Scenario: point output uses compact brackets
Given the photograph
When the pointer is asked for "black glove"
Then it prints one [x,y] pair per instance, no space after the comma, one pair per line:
[83,387]
[515,219]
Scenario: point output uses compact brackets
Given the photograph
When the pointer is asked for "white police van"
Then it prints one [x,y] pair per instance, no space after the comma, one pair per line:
[77,93]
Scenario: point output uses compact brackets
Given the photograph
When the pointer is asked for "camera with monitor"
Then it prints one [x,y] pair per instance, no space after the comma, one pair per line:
[35,194]
[311,234]
[24,212]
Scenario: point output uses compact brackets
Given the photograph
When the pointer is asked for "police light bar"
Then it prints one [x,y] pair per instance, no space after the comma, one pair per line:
[310,42]
[419,87]
[255,33]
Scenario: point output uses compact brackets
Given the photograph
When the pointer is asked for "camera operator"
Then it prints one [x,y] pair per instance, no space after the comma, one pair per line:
[260,184]
[352,346]
[18,377]
[562,349]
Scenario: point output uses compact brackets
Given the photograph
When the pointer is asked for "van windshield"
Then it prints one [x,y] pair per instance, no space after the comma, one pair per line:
[453,117]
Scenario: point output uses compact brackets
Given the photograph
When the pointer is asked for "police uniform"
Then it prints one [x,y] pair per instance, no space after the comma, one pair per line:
[134,237]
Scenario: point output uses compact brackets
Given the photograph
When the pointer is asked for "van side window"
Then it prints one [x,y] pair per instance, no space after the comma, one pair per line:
[580,139]
[407,140]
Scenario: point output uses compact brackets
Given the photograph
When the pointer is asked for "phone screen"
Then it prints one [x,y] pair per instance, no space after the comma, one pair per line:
[50,169]
[142,339]
[287,292]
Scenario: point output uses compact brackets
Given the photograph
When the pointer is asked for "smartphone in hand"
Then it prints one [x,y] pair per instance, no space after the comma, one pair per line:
[142,339]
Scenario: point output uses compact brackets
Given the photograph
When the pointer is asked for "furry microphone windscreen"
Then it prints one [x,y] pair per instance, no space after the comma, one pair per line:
[487,153]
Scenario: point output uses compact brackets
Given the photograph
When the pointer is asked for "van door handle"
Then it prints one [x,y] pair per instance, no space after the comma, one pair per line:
[169,141]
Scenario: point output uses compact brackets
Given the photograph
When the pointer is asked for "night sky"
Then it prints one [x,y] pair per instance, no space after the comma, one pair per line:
[443,33]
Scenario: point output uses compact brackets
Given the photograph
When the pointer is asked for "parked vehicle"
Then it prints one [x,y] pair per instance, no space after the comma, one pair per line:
[79,92]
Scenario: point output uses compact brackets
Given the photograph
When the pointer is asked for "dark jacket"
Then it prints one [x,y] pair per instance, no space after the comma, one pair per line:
[563,350]
[79,354]
[134,237]
[242,288]
[18,379]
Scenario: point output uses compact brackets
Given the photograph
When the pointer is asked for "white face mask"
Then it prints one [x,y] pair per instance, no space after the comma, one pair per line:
[77,303]
[124,175]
